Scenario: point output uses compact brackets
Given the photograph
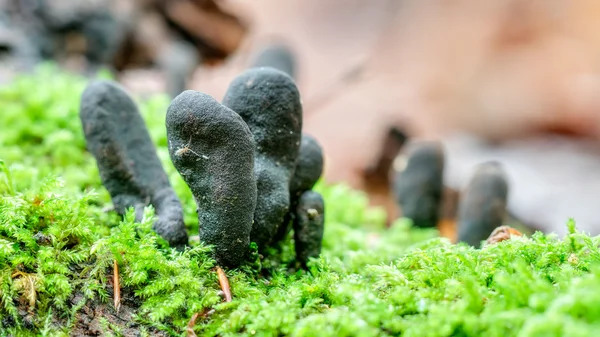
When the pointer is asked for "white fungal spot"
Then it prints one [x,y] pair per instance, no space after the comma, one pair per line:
[400,163]
[312,213]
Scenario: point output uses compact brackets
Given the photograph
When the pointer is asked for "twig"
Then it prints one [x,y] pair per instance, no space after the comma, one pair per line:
[224,284]
[116,286]
[192,323]
[190,326]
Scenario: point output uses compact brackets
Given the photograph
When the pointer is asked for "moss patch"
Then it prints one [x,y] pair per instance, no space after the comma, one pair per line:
[58,245]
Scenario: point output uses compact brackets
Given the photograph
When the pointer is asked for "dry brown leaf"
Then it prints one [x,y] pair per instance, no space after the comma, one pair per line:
[502,233]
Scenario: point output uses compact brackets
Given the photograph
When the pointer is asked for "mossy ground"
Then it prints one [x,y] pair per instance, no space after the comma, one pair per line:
[58,243]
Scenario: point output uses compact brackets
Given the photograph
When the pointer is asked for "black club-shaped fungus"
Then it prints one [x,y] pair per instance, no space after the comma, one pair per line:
[482,206]
[309,167]
[309,226]
[419,187]
[278,56]
[213,150]
[129,167]
[269,102]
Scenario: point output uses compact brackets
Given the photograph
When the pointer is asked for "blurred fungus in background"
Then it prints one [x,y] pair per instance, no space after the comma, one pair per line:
[514,81]
[125,36]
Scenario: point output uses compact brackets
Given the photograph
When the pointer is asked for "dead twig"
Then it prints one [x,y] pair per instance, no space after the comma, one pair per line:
[116,286]
[189,331]
[224,282]
[192,323]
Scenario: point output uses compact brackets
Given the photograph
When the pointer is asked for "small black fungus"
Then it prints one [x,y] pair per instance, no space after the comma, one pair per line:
[269,102]
[308,226]
[177,59]
[419,187]
[309,167]
[213,150]
[278,56]
[129,167]
[482,206]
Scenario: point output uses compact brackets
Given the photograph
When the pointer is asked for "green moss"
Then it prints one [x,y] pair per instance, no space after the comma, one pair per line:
[58,244]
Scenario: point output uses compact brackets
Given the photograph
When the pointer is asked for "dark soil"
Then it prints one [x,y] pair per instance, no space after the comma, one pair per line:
[96,318]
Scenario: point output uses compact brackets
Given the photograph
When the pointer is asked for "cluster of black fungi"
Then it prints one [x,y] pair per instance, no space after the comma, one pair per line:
[249,166]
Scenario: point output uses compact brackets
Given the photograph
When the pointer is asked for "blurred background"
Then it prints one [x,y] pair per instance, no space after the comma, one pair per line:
[516,81]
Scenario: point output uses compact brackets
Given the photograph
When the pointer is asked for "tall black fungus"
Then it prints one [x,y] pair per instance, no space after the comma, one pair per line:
[309,226]
[483,205]
[126,157]
[269,102]
[419,186]
[213,150]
